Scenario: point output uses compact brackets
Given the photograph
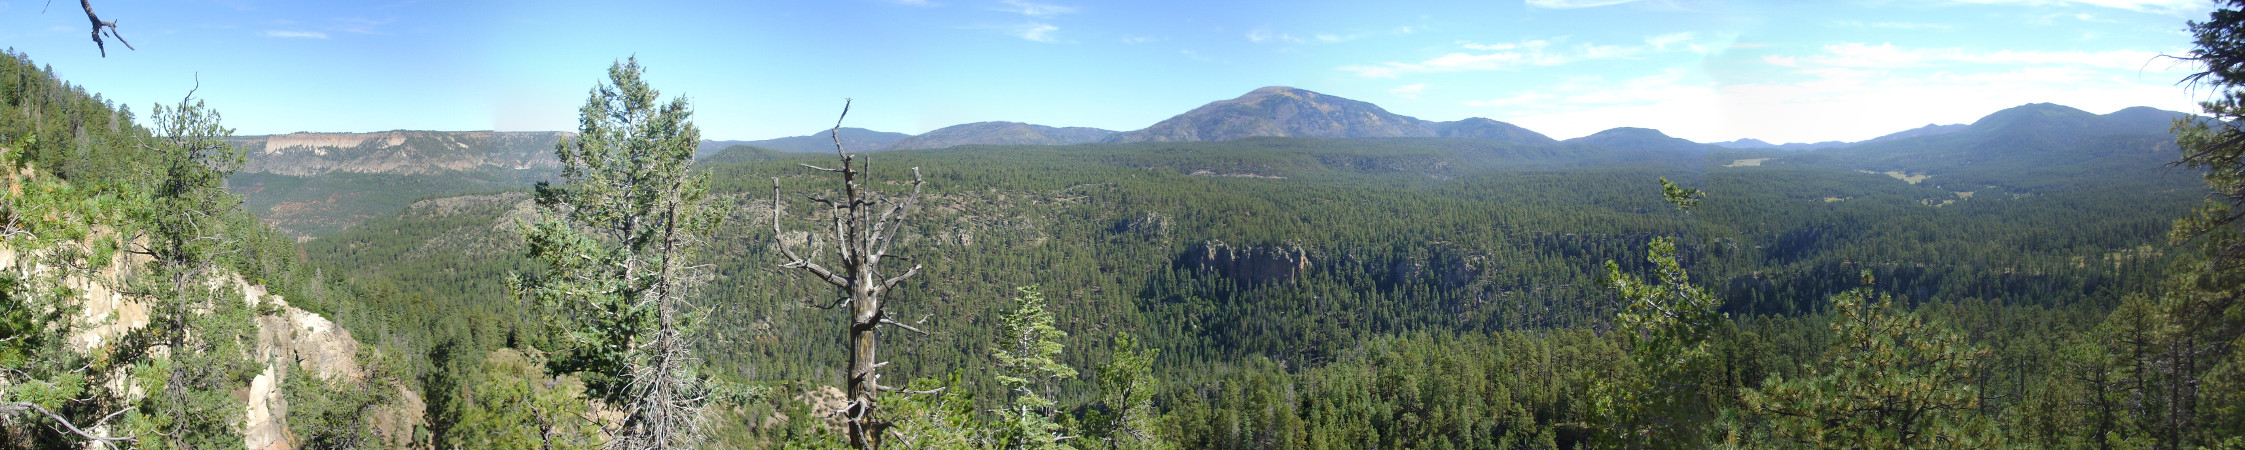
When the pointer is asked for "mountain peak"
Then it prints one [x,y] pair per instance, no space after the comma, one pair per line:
[1280,111]
[1273,90]
[1635,138]
[2029,112]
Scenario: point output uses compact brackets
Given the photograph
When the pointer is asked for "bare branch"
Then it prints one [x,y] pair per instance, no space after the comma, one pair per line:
[886,285]
[98,25]
[836,133]
[909,391]
[885,320]
[11,408]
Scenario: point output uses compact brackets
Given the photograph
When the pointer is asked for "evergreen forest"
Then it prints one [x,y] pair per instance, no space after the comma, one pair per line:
[2044,277]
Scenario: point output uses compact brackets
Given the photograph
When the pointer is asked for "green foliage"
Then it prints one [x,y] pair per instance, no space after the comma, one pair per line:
[1669,326]
[944,419]
[332,414]
[1889,380]
[1126,418]
[514,405]
[614,243]
[1028,365]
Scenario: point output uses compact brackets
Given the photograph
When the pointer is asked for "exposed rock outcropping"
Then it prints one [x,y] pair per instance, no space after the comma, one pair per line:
[1253,264]
[400,152]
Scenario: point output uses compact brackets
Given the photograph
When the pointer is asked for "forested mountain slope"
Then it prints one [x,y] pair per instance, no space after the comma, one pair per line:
[308,184]
[1292,262]
[141,306]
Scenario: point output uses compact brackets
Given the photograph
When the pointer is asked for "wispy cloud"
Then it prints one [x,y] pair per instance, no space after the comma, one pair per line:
[1662,42]
[1410,91]
[1889,56]
[1569,4]
[1881,87]
[919,3]
[1529,53]
[295,34]
[2171,7]
[1040,32]
[1264,34]
[1035,9]
[1893,25]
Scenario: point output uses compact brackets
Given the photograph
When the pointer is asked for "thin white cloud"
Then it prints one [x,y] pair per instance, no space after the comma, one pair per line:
[295,34]
[1264,34]
[1662,42]
[1889,56]
[1514,55]
[1824,102]
[1410,91]
[2171,7]
[1035,9]
[1893,25]
[1569,4]
[919,3]
[1040,32]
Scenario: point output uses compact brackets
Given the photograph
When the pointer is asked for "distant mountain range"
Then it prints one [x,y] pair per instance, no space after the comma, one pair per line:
[1275,111]
[854,139]
[1000,133]
[311,183]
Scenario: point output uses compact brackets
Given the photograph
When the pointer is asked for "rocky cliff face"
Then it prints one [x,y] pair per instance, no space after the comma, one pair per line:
[1253,264]
[400,152]
[286,336]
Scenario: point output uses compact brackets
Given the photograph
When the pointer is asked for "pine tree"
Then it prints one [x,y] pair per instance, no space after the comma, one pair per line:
[201,324]
[614,241]
[1891,379]
[1670,326]
[1028,364]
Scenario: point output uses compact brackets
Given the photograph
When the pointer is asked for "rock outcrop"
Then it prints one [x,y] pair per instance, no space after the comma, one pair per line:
[1252,264]
[400,152]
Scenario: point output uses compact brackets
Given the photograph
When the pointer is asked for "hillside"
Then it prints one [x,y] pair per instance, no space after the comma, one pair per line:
[1274,263]
[998,133]
[400,152]
[1639,139]
[1280,111]
[129,289]
[856,139]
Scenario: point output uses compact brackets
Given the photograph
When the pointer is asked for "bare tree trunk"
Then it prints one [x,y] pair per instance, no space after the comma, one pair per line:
[862,240]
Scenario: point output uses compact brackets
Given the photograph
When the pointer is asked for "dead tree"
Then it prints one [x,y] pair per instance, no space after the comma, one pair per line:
[99,25]
[861,240]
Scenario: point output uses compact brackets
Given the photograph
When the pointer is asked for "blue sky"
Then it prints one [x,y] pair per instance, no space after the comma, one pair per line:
[1782,71]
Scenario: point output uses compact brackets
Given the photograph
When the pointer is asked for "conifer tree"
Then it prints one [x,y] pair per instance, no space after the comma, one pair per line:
[200,322]
[1890,379]
[1028,364]
[1126,389]
[615,240]
[1669,325]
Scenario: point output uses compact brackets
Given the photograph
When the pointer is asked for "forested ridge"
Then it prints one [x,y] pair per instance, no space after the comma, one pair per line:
[2044,277]
[1335,292]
